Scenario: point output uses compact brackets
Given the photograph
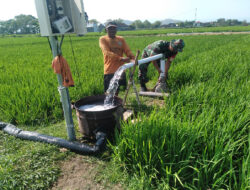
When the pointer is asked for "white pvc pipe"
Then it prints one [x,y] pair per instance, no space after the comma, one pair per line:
[149,59]
[145,60]
[162,68]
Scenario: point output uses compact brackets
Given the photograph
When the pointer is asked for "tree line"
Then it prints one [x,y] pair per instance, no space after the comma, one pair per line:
[21,24]
[28,24]
[138,24]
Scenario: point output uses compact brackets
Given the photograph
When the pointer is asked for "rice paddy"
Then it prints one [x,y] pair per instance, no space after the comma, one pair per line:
[199,139]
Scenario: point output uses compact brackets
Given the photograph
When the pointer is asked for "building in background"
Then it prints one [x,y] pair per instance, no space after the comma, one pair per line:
[92,27]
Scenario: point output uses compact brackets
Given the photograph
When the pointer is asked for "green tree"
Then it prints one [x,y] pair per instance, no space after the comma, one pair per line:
[156,24]
[181,24]
[11,27]
[221,22]
[23,24]
[138,24]
[1,27]
[147,24]
[119,22]
[244,23]
[26,24]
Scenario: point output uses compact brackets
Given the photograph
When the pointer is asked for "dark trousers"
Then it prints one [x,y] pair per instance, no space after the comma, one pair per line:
[108,77]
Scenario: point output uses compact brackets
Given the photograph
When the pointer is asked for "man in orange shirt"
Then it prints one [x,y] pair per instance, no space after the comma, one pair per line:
[113,48]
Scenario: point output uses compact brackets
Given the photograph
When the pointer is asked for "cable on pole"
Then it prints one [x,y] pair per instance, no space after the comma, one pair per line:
[74,57]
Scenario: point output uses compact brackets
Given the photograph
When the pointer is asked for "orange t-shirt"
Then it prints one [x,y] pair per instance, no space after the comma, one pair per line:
[113,50]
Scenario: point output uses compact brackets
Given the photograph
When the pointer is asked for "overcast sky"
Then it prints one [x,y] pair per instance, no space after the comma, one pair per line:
[152,10]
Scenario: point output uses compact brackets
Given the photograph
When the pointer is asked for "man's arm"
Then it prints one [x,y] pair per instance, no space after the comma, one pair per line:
[167,66]
[127,50]
[156,66]
[168,63]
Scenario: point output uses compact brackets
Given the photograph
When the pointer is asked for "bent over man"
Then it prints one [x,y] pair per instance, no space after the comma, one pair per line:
[168,49]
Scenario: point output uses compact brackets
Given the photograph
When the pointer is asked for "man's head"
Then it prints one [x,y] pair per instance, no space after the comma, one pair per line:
[177,45]
[111,29]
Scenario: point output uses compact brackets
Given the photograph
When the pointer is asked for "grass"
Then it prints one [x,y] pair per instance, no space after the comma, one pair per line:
[28,86]
[199,139]
[30,165]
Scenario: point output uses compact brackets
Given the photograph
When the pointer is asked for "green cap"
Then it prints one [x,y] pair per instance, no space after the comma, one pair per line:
[177,45]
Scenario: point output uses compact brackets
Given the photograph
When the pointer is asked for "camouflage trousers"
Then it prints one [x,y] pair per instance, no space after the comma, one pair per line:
[143,69]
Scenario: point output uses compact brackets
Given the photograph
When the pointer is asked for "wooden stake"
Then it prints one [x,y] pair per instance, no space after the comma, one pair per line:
[131,78]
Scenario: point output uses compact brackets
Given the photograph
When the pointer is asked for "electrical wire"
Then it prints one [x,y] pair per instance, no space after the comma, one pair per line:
[73,54]
[49,43]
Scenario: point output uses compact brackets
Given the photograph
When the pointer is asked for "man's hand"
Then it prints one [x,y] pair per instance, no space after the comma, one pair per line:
[125,59]
[132,61]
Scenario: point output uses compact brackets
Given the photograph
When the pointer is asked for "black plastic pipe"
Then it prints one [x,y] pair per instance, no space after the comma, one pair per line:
[74,146]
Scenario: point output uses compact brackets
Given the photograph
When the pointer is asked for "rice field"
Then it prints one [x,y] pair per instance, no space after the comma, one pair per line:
[198,140]
[182,30]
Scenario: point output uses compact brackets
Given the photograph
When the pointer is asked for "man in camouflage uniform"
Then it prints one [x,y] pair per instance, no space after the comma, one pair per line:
[168,49]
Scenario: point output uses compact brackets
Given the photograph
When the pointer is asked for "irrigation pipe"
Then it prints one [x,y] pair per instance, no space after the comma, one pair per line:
[74,146]
[142,61]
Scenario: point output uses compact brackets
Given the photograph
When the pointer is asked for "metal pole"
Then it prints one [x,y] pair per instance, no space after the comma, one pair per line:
[64,93]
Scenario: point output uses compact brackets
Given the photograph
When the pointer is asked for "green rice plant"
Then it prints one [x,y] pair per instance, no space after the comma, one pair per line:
[200,140]
[28,85]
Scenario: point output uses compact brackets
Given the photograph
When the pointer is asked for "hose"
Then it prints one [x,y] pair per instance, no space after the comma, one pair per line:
[74,146]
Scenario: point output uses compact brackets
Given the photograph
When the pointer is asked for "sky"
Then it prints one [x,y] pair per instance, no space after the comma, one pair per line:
[184,10]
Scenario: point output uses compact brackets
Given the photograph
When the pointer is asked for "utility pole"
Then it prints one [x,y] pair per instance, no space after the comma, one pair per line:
[63,91]
[56,18]
[195,16]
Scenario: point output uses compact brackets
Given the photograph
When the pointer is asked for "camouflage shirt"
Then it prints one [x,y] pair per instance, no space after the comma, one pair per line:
[158,47]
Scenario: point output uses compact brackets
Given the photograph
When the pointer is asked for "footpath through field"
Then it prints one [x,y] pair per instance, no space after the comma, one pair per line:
[206,33]
[193,34]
